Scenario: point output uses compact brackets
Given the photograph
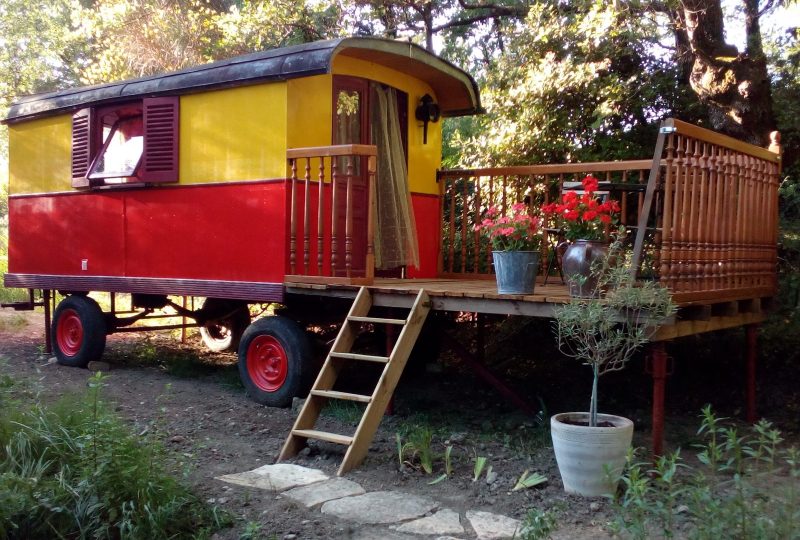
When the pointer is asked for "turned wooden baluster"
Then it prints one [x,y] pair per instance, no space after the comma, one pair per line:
[306,218]
[292,222]
[666,271]
[476,236]
[321,217]
[490,204]
[452,228]
[464,212]
[348,221]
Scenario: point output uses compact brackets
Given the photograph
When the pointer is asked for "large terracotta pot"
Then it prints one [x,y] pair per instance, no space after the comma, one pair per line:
[515,271]
[576,264]
[590,459]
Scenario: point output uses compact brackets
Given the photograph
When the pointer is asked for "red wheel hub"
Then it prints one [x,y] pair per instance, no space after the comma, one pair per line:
[69,332]
[267,364]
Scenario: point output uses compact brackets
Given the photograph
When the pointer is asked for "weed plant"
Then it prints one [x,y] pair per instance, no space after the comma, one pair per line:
[745,486]
[74,470]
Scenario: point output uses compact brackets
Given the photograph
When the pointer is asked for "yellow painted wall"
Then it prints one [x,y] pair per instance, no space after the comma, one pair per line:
[309,111]
[233,134]
[423,159]
[40,155]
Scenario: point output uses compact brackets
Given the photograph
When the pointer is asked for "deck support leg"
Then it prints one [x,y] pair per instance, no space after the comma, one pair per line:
[488,376]
[480,338]
[751,333]
[658,352]
[48,349]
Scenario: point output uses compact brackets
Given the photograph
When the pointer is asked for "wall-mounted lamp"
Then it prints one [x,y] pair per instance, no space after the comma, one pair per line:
[427,111]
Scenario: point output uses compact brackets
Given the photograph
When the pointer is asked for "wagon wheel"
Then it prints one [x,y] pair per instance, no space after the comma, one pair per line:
[275,361]
[224,334]
[78,331]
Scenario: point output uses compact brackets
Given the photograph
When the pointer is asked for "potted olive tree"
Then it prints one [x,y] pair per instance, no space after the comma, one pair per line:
[603,331]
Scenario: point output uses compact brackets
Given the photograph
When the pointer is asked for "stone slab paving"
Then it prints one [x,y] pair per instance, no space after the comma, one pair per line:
[490,526]
[313,494]
[345,499]
[279,477]
[445,521]
[380,507]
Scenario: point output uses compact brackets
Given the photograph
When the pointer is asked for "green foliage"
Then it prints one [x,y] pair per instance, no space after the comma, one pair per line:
[746,486]
[538,524]
[480,465]
[604,331]
[578,81]
[73,469]
[529,480]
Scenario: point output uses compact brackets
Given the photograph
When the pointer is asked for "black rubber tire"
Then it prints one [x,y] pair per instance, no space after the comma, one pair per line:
[224,335]
[296,346]
[92,322]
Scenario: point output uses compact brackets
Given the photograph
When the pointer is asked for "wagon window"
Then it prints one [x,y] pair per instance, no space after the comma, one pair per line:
[133,142]
[122,150]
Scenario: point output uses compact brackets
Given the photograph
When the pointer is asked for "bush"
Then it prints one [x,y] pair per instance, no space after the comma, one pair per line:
[745,486]
[74,470]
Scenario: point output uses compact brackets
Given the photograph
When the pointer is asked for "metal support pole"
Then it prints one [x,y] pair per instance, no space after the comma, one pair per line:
[183,322]
[658,368]
[46,301]
[751,333]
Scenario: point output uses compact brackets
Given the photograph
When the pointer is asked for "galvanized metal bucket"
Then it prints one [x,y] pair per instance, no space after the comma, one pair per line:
[515,271]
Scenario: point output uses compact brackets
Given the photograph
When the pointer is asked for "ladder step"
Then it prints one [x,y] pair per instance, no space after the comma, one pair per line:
[376,320]
[341,395]
[323,436]
[364,357]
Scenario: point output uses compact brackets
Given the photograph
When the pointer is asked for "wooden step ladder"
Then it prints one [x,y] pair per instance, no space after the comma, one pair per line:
[358,444]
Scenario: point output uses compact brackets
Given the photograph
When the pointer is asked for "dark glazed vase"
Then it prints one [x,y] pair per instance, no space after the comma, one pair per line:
[576,265]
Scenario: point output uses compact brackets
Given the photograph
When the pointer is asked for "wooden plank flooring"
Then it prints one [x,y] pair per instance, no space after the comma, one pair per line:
[480,295]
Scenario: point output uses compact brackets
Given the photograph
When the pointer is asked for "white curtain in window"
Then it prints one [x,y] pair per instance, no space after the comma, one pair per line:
[395,229]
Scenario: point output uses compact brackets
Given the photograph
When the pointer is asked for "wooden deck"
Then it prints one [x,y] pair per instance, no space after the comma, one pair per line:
[480,296]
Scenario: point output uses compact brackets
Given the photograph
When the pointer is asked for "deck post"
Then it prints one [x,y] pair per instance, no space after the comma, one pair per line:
[48,348]
[658,352]
[751,333]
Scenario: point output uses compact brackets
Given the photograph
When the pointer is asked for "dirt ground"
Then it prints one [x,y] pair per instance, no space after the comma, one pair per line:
[212,426]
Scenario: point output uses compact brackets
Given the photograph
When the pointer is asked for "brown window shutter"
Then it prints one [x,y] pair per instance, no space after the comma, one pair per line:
[160,157]
[82,147]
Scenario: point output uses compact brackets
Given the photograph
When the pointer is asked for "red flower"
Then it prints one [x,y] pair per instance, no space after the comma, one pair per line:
[589,215]
[590,184]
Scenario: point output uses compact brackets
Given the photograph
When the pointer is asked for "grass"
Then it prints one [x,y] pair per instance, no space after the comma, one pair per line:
[12,322]
[73,469]
[9,295]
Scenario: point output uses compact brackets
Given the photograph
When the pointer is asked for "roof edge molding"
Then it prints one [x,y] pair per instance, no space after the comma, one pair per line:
[456,90]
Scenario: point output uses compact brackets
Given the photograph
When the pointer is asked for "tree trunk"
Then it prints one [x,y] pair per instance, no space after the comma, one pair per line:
[734,86]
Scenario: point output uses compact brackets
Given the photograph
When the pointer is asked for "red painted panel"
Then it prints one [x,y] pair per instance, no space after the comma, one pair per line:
[230,232]
[53,234]
[227,232]
[426,214]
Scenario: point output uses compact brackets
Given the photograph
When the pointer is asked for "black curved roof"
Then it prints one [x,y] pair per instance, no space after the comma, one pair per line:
[456,91]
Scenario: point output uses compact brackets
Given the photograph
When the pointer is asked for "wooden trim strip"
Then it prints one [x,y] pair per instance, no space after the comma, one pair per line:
[235,290]
[706,135]
[134,187]
[330,151]
[555,168]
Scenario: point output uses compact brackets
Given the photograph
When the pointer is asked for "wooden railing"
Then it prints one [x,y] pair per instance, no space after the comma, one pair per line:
[719,214]
[703,212]
[331,213]
[467,194]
